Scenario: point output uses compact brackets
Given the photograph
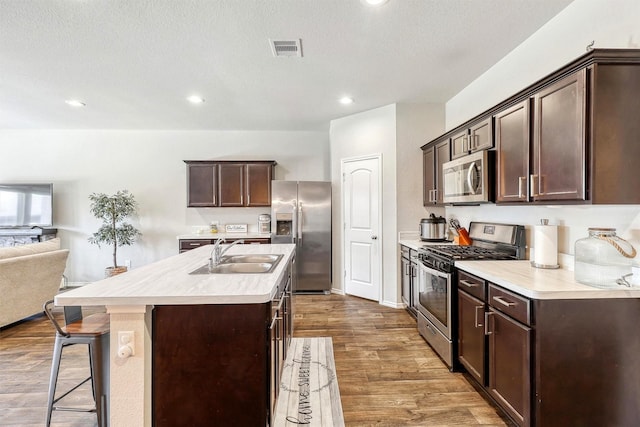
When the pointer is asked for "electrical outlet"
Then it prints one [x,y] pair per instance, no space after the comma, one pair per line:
[126,339]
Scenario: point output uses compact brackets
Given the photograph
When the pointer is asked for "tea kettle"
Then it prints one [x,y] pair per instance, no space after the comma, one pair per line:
[433,229]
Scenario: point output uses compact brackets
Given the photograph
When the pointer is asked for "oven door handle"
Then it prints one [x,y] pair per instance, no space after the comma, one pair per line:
[434,272]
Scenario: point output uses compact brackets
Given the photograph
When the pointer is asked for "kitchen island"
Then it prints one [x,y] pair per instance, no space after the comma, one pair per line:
[209,334]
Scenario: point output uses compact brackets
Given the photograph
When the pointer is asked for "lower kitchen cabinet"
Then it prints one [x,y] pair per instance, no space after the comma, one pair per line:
[409,265]
[509,365]
[552,362]
[471,337]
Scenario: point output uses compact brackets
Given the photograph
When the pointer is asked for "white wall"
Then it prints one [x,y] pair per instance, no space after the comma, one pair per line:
[396,132]
[150,165]
[612,24]
[417,124]
[371,132]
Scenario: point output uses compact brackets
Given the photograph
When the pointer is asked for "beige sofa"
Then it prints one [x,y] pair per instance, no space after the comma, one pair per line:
[29,276]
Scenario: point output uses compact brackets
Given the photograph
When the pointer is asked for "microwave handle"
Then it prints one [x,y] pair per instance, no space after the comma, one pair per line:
[471,181]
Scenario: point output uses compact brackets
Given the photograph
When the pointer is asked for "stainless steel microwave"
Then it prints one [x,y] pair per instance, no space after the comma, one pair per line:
[467,180]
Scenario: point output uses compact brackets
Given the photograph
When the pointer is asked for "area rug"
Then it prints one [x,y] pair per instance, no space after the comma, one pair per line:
[309,393]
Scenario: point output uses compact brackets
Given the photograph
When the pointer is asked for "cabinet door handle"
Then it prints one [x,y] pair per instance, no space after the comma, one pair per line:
[534,179]
[522,182]
[481,307]
[469,284]
[503,301]
[413,271]
[486,322]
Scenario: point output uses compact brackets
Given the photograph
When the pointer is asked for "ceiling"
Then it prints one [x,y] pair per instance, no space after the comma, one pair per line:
[134,62]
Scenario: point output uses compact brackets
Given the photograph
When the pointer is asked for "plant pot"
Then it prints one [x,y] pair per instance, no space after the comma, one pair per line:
[112,271]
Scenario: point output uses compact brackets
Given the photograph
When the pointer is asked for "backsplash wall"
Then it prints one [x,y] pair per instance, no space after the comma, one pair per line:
[573,221]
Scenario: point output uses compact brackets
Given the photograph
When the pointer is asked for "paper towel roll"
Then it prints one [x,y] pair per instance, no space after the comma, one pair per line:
[545,249]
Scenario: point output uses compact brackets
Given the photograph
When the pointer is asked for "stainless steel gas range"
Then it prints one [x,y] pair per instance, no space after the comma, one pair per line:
[437,280]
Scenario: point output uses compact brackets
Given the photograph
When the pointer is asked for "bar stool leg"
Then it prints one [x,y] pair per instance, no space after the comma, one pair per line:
[99,377]
[53,379]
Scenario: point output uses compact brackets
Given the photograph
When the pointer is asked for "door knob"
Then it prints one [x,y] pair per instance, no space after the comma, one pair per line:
[374,237]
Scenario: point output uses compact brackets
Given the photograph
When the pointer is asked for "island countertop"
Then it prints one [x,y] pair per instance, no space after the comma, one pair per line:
[521,277]
[168,282]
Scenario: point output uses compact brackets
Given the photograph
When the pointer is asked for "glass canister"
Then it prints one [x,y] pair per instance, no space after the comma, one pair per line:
[603,259]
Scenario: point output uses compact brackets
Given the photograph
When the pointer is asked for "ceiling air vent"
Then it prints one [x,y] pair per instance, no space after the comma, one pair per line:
[286,47]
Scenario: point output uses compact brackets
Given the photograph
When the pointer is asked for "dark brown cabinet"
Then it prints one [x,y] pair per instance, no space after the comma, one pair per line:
[512,157]
[570,137]
[229,183]
[552,362]
[559,154]
[471,327]
[509,353]
[479,136]
[408,263]
[202,185]
[258,180]
[433,157]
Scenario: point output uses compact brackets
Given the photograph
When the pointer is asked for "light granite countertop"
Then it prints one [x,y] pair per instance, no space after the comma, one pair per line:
[522,278]
[168,282]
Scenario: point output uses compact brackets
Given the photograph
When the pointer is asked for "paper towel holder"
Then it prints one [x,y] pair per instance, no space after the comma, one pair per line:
[544,221]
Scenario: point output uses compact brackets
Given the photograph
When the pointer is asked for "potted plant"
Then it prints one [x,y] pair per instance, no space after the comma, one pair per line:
[113,210]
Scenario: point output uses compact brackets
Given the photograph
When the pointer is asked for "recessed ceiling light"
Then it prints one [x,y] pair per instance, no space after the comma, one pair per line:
[374,2]
[346,100]
[75,103]
[195,99]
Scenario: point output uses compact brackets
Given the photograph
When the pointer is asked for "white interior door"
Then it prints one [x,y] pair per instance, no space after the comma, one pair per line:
[362,257]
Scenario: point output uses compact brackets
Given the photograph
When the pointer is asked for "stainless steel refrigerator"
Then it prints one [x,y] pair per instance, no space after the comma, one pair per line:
[301,214]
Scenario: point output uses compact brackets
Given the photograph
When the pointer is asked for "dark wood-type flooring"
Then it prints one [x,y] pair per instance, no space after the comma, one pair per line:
[387,374]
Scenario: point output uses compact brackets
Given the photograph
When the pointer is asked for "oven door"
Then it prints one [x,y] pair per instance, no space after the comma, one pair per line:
[434,298]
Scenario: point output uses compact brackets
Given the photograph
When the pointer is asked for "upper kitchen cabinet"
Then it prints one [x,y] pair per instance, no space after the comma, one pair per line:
[512,158]
[478,136]
[559,157]
[570,137]
[613,132]
[202,185]
[229,183]
[434,155]
[258,179]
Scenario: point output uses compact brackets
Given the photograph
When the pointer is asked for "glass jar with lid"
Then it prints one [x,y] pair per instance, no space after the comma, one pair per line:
[603,259]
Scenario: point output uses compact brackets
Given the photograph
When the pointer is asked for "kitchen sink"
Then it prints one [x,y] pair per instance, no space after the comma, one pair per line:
[242,264]
[232,259]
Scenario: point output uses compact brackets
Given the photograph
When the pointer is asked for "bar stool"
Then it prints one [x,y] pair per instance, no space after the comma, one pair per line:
[94,332]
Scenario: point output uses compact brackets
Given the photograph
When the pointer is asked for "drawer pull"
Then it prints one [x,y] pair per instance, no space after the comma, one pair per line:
[468,284]
[194,244]
[503,301]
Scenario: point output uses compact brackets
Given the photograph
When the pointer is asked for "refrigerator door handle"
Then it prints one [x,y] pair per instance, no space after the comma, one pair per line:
[294,231]
[300,223]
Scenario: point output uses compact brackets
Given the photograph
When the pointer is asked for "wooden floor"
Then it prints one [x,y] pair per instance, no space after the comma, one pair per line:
[387,374]
[25,365]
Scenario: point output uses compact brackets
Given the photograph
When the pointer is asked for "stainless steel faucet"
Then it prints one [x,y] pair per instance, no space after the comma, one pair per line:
[217,251]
